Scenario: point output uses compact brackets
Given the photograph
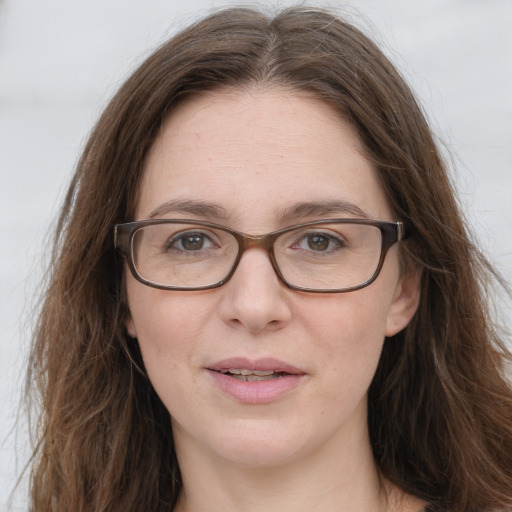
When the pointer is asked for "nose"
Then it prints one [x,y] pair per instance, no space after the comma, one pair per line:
[254,298]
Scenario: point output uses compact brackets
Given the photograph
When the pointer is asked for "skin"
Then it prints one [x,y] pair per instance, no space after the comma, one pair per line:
[256,153]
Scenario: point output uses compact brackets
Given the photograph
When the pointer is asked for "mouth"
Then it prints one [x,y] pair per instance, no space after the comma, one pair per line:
[252,375]
[253,370]
[255,381]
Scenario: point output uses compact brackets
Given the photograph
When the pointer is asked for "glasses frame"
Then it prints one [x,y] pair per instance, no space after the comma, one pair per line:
[391,233]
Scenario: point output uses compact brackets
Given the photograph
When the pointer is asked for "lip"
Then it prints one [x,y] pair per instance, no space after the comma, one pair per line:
[264,364]
[255,392]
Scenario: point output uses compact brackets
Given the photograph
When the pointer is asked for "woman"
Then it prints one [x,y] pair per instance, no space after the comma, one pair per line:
[263,295]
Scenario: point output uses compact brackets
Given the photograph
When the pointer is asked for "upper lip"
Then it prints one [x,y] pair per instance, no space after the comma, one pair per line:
[263,364]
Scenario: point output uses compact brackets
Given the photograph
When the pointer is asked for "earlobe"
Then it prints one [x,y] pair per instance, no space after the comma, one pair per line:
[405,303]
[130,327]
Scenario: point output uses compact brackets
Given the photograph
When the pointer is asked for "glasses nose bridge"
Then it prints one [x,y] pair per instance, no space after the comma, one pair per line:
[265,242]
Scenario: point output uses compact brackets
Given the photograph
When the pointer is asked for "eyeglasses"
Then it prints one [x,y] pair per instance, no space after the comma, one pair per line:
[332,255]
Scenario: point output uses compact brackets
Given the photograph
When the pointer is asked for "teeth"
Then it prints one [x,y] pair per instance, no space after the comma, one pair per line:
[255,378]
[251,375]
[258,373]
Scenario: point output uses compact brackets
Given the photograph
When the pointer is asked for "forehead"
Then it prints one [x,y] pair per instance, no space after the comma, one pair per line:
[257,153]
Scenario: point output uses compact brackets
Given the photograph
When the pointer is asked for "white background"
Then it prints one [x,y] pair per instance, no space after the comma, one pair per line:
[61,60]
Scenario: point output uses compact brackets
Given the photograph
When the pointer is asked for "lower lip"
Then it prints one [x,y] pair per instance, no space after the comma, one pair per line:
[257,392]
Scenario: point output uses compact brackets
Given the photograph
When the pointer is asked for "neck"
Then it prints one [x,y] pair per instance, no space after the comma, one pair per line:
[339,476]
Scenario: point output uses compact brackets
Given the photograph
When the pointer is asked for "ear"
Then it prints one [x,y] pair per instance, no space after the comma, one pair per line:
[128,323]
[405,303]
[130,327]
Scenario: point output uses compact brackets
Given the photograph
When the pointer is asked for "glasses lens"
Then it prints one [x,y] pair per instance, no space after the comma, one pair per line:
[183,255]
[329,256]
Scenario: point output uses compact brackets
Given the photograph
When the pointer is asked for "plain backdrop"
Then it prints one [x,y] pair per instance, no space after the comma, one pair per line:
[61,60]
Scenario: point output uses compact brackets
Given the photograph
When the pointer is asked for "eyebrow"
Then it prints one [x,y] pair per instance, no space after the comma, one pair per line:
[321,208]
[190,206]
[296,211]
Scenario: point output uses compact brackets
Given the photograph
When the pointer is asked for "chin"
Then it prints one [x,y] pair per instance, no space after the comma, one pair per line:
[257,447]
[250,456]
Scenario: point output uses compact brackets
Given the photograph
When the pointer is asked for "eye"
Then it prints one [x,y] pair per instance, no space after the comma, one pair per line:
[319,242]
[190,241]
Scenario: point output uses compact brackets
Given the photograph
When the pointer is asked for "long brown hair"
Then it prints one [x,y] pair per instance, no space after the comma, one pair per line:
[440,405]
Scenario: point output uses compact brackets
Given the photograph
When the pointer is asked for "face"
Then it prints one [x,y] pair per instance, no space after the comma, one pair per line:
[246,160]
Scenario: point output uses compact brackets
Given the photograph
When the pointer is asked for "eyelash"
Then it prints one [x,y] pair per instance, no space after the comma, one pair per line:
[339,241]
[179,237]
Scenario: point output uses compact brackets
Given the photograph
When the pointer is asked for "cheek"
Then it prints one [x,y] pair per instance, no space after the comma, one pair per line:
[356,320]
[347,321]
[169,327]
[349,330]
[161,318]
